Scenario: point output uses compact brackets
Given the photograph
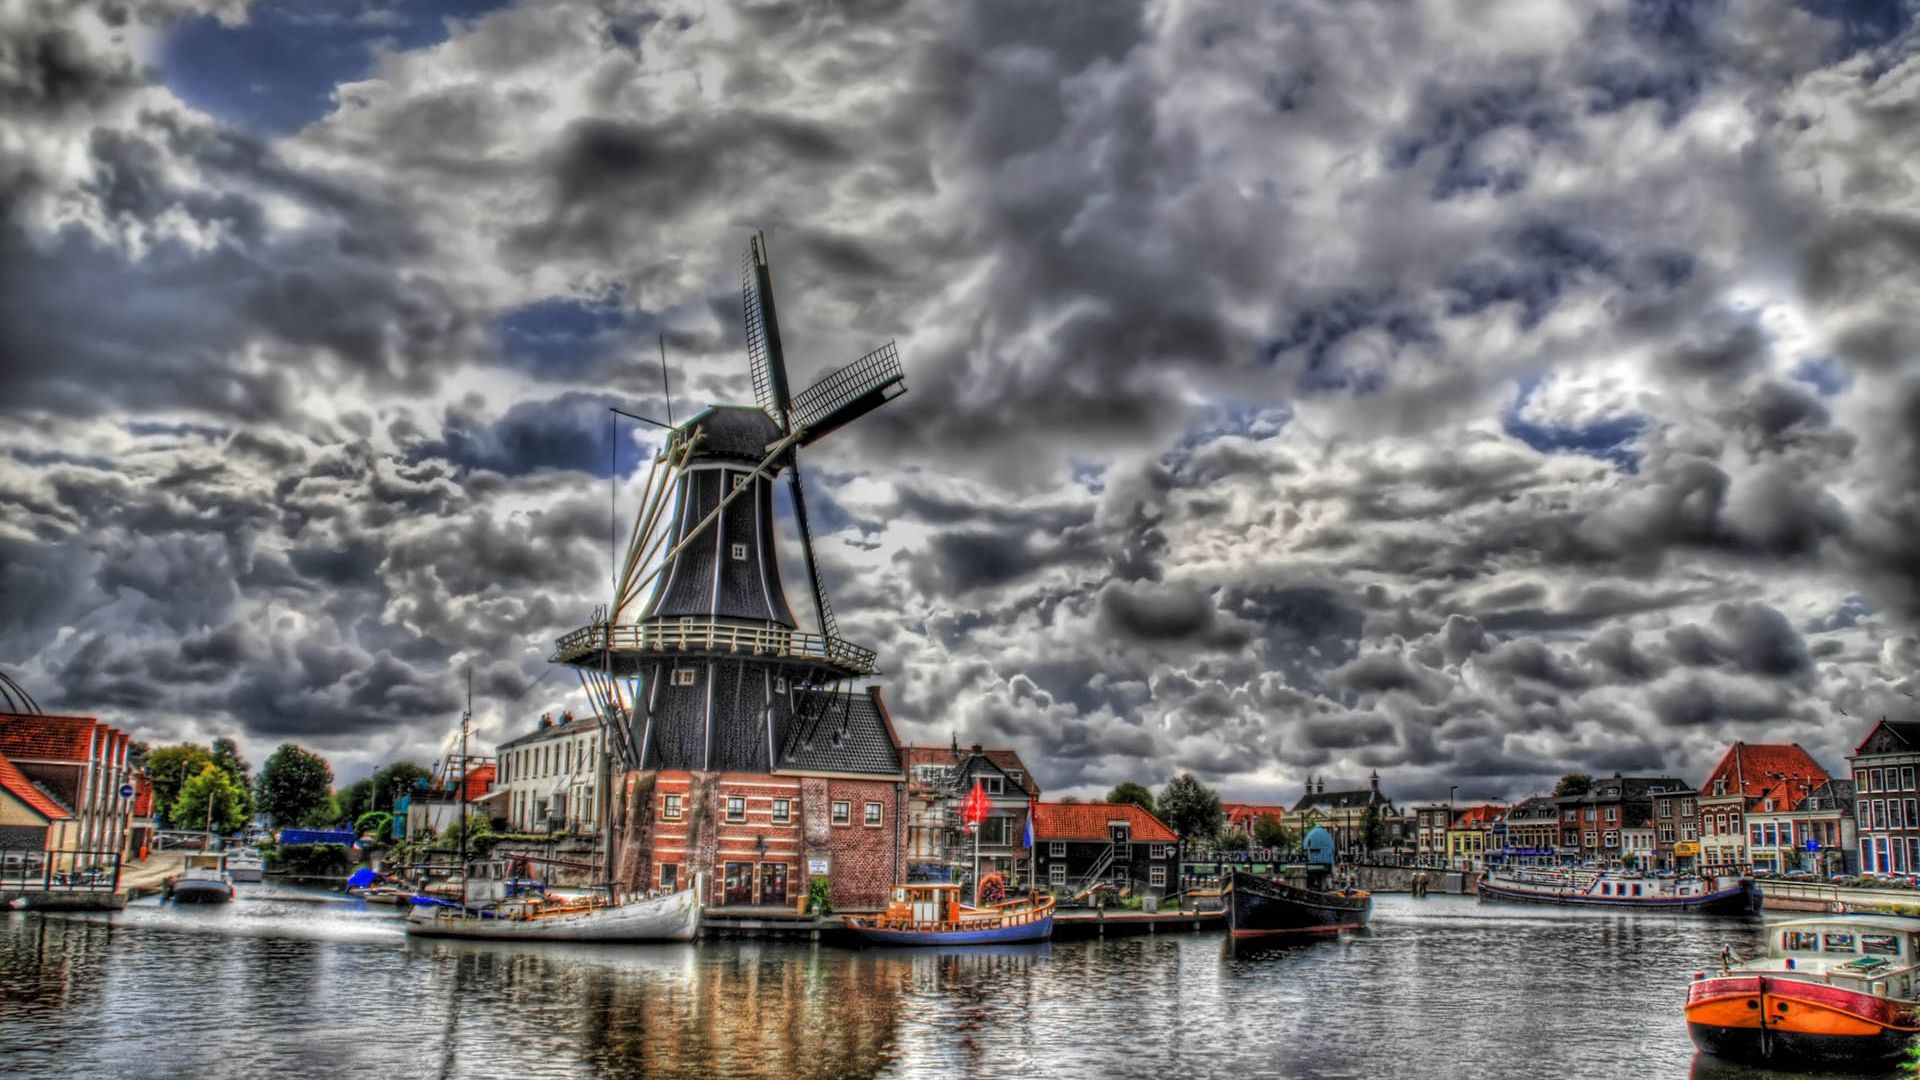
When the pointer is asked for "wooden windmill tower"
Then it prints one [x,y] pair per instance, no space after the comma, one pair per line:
[712,672]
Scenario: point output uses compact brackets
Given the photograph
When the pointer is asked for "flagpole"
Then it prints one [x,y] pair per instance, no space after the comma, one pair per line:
[976,864]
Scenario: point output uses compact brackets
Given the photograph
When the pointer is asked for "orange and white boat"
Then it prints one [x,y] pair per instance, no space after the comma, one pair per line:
[1834,990]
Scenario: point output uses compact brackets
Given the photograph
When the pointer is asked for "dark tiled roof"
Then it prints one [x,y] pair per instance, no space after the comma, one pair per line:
[1608,789]
[1339,800]
[851,735]
[1907,731]
[1089,821]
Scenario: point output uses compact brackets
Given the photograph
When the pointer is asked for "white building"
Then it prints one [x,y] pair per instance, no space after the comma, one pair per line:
[550,778]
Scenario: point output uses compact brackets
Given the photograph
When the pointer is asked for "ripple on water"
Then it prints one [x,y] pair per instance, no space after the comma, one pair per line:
[294,983]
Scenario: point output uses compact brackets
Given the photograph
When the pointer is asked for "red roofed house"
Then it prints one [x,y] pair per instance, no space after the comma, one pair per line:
[1242,817]
[30,819]
[81,764]
[1752,778]
[1077,845]
[1470,837]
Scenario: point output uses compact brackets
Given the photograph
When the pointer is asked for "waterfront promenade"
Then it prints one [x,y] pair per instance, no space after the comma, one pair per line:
[295,983]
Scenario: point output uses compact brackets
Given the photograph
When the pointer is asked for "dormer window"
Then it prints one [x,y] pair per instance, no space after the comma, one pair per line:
[1720,786]
[991,784]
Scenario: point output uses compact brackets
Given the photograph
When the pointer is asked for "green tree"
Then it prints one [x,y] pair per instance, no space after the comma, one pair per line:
[1271,832]
[209,799]
[1191,808]
[294,783]
[356,800]
[397,779]
[226,754]
[170,767]
[1574,783]
[1373,827]
[1129,792]
[1235,841]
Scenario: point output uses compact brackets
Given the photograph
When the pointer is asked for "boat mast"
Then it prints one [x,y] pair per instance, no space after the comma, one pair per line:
[465,718]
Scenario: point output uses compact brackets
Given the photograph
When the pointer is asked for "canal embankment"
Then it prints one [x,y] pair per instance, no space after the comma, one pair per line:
[1826,898]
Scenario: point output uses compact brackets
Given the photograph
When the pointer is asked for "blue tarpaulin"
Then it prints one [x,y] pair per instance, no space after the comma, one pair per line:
[294,837]
[362,878]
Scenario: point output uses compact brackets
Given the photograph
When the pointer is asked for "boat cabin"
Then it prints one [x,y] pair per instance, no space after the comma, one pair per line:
[1867,953]
[924,904]
[205,864]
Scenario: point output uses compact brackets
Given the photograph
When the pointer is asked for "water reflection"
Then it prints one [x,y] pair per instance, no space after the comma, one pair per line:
[292,984]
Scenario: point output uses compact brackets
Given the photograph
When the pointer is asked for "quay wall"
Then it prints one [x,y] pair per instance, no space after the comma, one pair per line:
[1819,897]
[1399,879]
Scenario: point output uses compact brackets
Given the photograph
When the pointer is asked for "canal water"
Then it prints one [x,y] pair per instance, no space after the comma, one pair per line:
[285,983]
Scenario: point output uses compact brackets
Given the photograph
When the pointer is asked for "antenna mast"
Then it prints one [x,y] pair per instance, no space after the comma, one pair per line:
[465,718]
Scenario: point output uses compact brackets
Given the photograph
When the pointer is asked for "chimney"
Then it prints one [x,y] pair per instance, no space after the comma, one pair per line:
[546,720]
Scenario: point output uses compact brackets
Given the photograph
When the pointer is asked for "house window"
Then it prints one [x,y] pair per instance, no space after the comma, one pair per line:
[669,876]
[683,676]
[1157,876]
[782,811]
[1156,851]
[740,552]
[1613,814]
[1611,839]
[873,814]
[1057,849]
[991,784]
[1906,778]
[1591,812]
[736,808]
[1057,874]
[842,813]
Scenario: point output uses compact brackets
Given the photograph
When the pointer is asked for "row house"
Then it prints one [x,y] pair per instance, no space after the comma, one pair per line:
[834,806]
[1751,778]
[1812,830]
[1676,828]
[1078,845]
[1430,825]
[83,765]
[1613,821]
[939,846]
[1887,800]
[1471,836]
[1344,813]
[550,779]
[1244,818]
[1532,831]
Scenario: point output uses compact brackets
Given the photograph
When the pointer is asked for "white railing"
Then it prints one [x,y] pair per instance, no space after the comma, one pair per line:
[672,636]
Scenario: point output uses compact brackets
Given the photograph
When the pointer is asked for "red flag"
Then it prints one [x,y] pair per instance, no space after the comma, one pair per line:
[974,810]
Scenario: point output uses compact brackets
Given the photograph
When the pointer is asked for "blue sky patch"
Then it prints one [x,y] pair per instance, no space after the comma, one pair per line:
[276,73]
[1824,374]
[1610,438]
[567,338]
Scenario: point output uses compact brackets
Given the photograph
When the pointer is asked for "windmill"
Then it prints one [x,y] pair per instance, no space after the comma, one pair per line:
[712,672]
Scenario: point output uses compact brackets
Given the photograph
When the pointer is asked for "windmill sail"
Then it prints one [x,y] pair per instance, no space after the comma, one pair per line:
[847,394]
[764,357]
[829,627]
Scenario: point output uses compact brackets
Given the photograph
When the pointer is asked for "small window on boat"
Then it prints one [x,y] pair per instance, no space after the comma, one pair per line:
[1839,942]
[1800,941]
[1880,944]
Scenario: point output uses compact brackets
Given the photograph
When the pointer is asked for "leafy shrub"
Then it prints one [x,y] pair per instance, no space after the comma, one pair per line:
[315,860]
[819,895]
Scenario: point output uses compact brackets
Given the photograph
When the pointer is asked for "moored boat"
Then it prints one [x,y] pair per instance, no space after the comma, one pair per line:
[504,908]
[1262,906]
[1591,888]
[246,865]
[932,914]
[1833,990]
[203,880]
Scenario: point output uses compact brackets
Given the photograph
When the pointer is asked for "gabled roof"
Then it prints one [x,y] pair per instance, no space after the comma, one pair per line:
[48,738]
[1779,771]
[1906,732]
[1339,800]
[1092,822]
[1238,812]
[1005,759]
[1544,808]
[1608,789]
[15,783]
[1476,816]
[850,733]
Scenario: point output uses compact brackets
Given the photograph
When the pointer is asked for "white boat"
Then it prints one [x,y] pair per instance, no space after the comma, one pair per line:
[493,911]
[247,865]
[1569,887]
[203,881]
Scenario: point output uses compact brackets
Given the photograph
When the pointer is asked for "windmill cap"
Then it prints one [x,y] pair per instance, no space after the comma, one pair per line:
[730,433]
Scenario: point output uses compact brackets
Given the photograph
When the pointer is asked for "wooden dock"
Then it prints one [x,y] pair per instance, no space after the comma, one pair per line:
[1077,923]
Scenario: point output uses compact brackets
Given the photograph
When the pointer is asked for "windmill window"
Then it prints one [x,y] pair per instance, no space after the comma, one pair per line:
[683,676]
[739,481]
[740,552]
[780,685]
[842,813]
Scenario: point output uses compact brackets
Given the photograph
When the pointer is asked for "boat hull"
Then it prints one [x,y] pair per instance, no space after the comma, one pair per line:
[1264,908]
[246,873]
[668,918]
[1037,930]
[202,892]
[1742,899]
[1759,1020]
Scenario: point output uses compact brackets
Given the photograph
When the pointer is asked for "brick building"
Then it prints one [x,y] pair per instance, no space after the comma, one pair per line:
[1750,778]
[1077,845]
[1887,798]
[1430,825]
[1676,828]
[1532,831]
[1614,819]
[835,808]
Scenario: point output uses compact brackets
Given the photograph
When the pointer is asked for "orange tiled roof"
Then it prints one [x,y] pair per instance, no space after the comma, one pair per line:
[1238,812]
[47,738]
[1780,771]
[16,784]
[1477,815]
[1088,821]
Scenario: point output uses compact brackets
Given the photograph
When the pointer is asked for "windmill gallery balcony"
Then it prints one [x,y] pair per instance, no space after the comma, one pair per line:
[707,637]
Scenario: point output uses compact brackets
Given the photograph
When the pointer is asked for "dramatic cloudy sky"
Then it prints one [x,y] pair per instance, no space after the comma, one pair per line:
[1472,391]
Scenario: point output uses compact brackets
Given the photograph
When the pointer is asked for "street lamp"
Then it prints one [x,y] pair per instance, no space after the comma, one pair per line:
[1446,838]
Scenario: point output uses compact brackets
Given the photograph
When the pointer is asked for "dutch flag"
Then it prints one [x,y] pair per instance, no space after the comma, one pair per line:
[1029,826]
